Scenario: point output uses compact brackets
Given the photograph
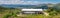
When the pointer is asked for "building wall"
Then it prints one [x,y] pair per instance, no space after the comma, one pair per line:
[32,12]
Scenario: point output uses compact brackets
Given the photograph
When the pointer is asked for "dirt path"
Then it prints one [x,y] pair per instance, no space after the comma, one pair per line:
[47,14]
[1,15]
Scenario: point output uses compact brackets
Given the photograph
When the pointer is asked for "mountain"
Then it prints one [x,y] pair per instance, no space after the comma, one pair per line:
[24,6]
[17,5]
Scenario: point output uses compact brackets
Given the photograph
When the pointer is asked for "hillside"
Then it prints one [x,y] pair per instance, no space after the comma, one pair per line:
[10,11]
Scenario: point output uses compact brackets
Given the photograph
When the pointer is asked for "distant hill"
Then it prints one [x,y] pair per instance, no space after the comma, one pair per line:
[24,6]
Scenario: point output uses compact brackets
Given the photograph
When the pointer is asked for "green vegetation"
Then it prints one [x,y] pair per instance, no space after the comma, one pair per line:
[54,12]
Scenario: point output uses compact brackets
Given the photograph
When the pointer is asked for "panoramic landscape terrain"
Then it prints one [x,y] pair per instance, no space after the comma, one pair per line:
[10,11]
[29,8]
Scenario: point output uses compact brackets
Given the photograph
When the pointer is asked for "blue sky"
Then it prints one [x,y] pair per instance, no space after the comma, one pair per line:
[28,1]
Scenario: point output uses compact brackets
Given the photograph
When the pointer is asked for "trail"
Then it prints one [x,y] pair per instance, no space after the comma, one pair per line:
[47,14]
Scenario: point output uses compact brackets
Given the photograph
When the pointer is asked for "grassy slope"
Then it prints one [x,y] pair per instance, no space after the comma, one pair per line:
[28,16]
[4,13]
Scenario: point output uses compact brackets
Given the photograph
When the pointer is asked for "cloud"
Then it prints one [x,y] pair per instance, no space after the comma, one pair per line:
[10,1]
[26,2]
[18,2]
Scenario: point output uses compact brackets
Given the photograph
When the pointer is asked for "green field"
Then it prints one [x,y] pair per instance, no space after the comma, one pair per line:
[11,13]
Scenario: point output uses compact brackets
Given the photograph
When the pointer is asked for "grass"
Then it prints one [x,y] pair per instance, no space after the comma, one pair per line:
[8,13]
[12,13]
[39,16]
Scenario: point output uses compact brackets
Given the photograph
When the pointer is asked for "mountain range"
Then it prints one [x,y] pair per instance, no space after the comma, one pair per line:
[22,6]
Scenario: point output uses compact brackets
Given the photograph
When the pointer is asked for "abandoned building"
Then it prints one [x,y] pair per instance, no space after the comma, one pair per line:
[32,11]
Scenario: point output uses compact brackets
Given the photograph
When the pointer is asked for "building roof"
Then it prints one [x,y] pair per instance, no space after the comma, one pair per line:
[32,9]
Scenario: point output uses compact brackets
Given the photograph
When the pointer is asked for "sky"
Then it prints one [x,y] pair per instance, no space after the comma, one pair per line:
[32,2]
